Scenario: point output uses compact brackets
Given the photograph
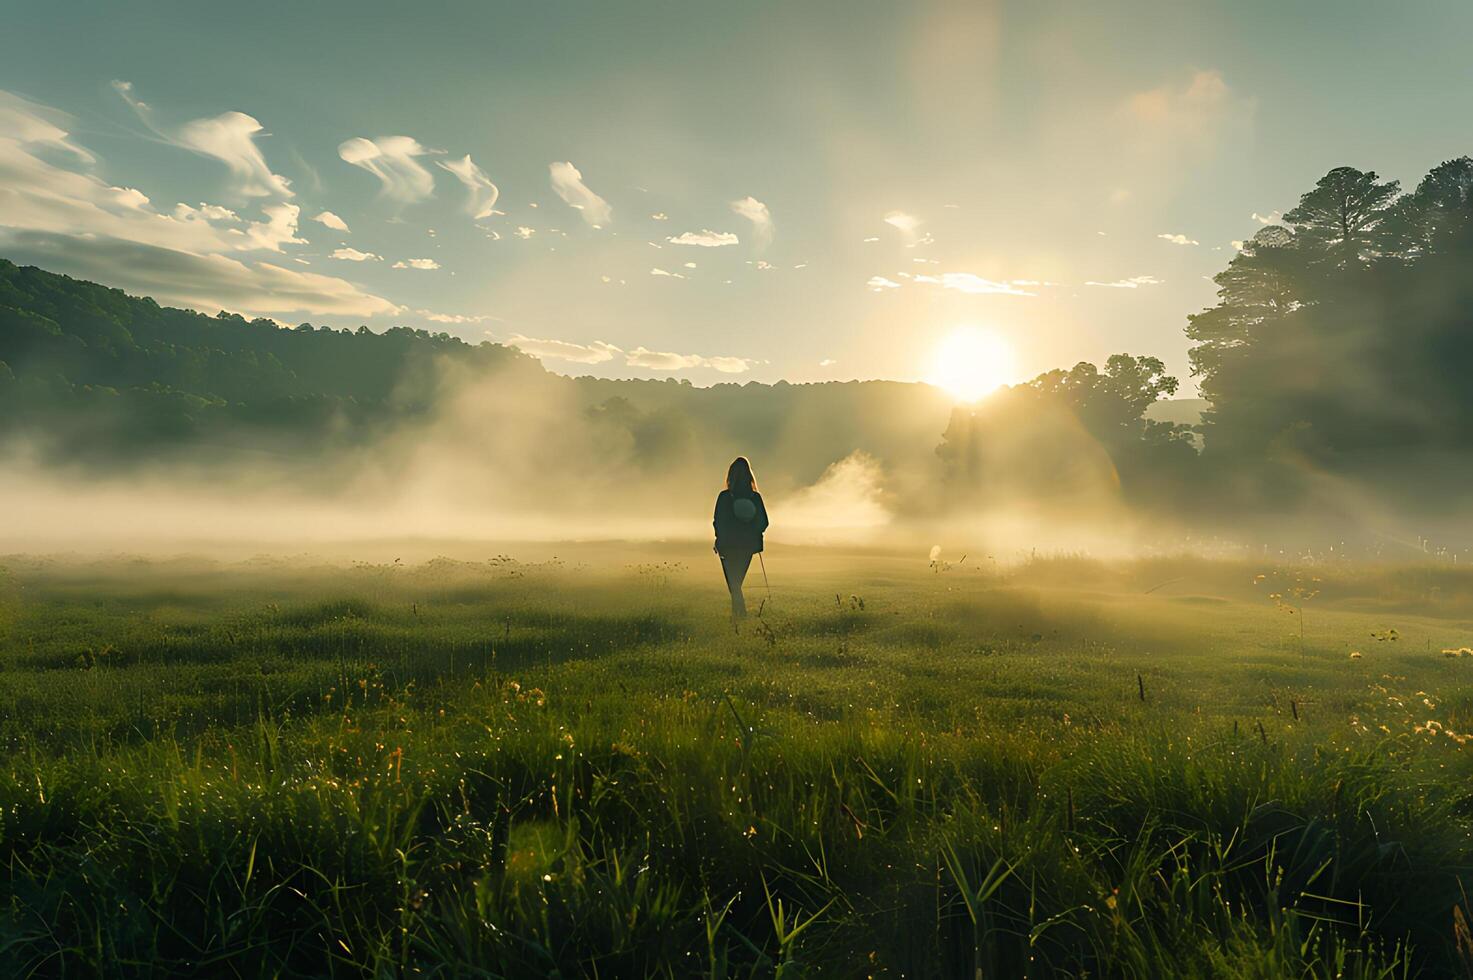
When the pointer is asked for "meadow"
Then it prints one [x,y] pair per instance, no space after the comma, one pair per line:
[511,766]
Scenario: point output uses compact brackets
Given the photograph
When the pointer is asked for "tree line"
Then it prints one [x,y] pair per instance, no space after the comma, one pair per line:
[1336,360]
[1337,356]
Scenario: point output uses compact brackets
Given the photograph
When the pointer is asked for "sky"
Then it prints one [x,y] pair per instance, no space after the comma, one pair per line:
[713,192]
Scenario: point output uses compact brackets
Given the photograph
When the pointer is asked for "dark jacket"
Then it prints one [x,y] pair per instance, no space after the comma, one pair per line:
[735,536]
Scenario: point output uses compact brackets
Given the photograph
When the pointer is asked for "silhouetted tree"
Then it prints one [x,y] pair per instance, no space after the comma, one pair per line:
[1068,435]
[1338,219]
[1340,346]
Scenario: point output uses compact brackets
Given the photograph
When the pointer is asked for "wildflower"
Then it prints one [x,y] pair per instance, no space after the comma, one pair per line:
[1355,655]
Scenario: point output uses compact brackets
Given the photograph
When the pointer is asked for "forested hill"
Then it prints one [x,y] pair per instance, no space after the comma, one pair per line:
[86,369]
[90,374]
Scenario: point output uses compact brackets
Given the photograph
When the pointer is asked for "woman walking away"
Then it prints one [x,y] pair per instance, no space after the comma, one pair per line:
[740,520]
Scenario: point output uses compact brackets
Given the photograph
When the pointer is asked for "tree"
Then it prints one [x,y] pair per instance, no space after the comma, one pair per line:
[1069,436]
[1437,216]
[1338,353]
[1340,216]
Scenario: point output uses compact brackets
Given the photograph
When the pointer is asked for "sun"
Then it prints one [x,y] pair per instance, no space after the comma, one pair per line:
[972,363]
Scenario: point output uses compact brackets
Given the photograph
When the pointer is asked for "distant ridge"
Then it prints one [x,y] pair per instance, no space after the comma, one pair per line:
[1181,411]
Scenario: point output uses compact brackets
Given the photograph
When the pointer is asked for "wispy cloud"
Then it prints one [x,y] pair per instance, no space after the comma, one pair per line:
[72,221]
[332,221]
[394,161]
[908,224]
[757,213]
[33,124]
[567,183]
[424,264]
[1268,219]
[481,202]
[1134,282]
[966,282]
[434,317]
[597,352]
[185,212]
[879,284]
[41,192]
[1173,121]
[203,282]
[662,272]
[1177,239]
[666,361]
[279,228]
[705,238]
[229,137]
[353,255]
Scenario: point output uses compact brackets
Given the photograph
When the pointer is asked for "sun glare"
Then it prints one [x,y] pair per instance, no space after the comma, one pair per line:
[972,363]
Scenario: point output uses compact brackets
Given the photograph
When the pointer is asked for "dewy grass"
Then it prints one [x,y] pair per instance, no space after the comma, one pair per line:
[495,769]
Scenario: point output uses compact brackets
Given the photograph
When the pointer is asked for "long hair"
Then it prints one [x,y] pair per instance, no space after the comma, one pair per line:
[739,476]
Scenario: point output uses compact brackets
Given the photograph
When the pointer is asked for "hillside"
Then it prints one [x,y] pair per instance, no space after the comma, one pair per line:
[1179,411]
[91,374]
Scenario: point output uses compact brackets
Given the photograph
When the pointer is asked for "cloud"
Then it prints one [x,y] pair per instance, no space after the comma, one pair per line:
[705,238]
[660,216]
[827,362]
[662,272]
[392,159]
[205,212]
[879,284]
[481,202]
[568,184]
[38,193]
[332,221]
[427,265]
[203,282]
[434,317]
[1268,219]
[1134,282]
[279,228]
[665,361]
[31,123]
[597,352]
[523,232]
[757,213]
[75,222]
[908,224]
[353,255]
[229,137]
[1178,239]
[1173,121]
[965,282]
[132,197]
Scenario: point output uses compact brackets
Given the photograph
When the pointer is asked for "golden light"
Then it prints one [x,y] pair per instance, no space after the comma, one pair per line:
[972,363]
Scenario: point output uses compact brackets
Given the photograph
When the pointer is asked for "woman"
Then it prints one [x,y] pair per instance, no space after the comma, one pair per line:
[740,520]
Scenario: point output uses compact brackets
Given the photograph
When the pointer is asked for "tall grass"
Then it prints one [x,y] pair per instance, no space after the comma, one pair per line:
[505,771]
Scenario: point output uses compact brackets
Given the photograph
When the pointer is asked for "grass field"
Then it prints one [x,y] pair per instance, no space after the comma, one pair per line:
[575,767]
